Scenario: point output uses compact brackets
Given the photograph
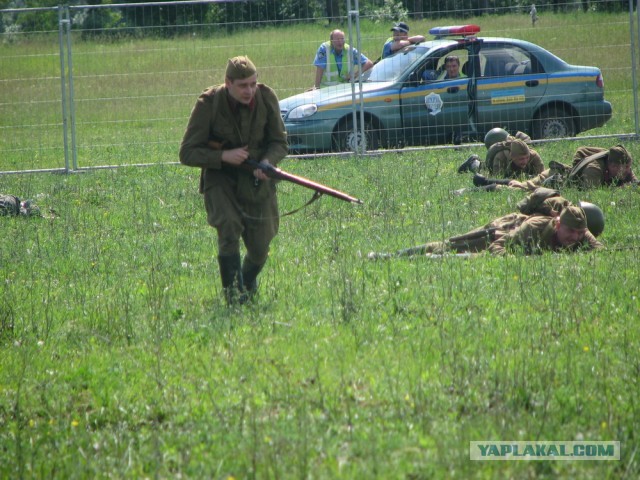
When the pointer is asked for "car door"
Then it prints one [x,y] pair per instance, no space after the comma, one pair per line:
[511,86]
[435,109]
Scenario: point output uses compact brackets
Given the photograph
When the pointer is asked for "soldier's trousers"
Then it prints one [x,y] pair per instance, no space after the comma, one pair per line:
[256,223]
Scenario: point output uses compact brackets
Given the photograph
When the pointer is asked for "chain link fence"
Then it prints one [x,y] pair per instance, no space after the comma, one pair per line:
[96,86]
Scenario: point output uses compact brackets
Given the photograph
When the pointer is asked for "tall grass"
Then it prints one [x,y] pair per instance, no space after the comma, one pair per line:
[120,359]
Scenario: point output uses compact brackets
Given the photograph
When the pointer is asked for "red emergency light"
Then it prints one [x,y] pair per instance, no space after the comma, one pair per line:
[455,30]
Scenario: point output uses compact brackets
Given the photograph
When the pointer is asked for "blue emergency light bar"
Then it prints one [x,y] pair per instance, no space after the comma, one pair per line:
[455,30]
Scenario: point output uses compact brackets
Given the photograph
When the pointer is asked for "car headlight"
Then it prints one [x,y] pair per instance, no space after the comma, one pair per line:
[302,111]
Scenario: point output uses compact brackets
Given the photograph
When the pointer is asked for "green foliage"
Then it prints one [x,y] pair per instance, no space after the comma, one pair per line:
[391,10]
[116,342]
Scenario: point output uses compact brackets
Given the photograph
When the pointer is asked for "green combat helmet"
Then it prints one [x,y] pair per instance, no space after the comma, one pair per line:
[495,135]
[595,217]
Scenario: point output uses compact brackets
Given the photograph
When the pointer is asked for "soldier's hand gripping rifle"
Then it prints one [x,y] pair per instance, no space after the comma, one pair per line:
[279,174]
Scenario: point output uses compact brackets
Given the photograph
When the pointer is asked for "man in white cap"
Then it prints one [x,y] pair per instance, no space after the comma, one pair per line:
[400,39]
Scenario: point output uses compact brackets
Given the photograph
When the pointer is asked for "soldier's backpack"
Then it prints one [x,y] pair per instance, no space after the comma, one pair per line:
[504,145]
[543,201]
[9,205]
[494,150]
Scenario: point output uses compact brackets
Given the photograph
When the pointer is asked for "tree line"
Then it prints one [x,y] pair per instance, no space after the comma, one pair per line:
[173,18]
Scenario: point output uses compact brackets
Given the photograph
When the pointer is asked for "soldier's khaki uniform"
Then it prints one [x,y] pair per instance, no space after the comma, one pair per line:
[535,235]
[532,229]
[239,205]
[498,162]
[592,175]
[236,204]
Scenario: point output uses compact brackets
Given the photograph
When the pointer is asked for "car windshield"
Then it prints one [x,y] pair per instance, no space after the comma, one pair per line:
[393,67]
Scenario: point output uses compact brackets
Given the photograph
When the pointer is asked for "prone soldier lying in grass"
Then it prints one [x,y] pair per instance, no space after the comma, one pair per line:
[546,222]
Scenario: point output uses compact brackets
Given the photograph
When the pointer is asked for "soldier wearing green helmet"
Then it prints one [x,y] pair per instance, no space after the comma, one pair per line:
[507,156]
[495,135]
[545,222]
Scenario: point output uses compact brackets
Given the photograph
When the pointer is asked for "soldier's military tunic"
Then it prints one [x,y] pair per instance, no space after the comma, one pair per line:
[543,205]
[237,204]
[594,174]
[499,164]
[535,235]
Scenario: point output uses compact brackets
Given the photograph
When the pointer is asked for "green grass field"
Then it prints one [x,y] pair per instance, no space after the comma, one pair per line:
[118,358]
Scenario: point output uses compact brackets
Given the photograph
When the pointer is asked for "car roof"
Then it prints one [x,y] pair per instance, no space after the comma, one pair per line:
[549,59]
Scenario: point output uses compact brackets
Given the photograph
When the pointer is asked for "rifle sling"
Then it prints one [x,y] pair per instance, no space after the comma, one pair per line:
[316,195]
[585,161]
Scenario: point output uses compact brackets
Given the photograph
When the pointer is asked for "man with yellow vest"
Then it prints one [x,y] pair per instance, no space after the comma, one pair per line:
[332,65]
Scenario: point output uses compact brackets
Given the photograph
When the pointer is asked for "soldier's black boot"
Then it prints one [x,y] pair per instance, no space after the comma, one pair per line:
[470,164]
[480,180]
[250,272]
[231,276]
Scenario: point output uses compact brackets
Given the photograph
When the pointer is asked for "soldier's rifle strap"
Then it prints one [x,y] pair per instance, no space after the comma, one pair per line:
[586,161]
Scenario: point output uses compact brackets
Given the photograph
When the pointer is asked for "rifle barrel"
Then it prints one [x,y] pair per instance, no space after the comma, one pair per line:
[279,174]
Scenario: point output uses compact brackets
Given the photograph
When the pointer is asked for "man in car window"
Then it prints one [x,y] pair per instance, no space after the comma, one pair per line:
[451,68]
[400,39]
[333,67]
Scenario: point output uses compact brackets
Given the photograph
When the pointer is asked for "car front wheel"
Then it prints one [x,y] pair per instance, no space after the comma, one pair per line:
[554,123]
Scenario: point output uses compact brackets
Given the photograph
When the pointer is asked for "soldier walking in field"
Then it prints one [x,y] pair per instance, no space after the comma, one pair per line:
[229,124]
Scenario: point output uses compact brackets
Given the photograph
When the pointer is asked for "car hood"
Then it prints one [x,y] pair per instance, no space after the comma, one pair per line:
[334,95]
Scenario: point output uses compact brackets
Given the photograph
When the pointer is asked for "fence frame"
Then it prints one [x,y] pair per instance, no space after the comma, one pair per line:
[67,98]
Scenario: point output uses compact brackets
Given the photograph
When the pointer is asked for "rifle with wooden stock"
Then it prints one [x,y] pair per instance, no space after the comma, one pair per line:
[279,174]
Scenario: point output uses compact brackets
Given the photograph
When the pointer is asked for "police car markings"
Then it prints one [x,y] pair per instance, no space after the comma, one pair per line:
[385,97]
[483,84]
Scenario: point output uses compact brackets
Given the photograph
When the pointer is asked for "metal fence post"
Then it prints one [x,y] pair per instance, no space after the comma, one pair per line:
[634,74]
[63,87]
[72,109]
[358,126]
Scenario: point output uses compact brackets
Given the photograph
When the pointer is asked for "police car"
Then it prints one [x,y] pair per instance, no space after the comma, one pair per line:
[407,100]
